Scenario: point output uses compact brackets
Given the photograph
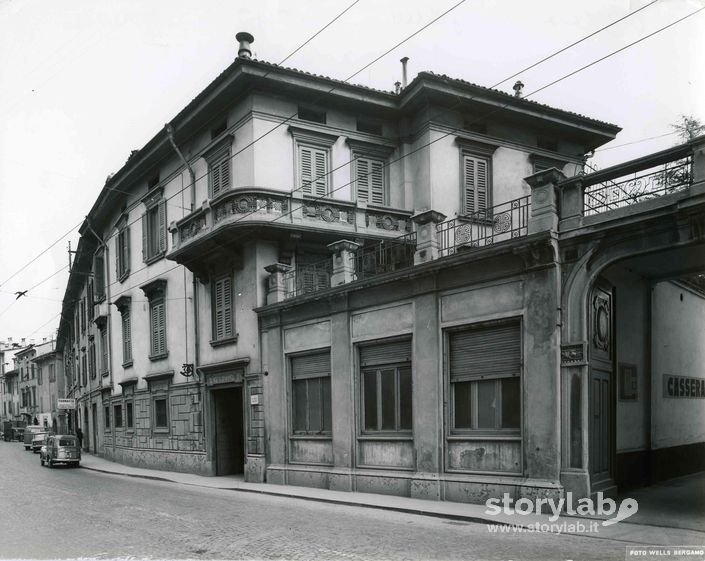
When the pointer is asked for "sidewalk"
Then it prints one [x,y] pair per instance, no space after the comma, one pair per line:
[636,533]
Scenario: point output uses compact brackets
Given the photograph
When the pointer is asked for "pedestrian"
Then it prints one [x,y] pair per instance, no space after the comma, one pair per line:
[79,435]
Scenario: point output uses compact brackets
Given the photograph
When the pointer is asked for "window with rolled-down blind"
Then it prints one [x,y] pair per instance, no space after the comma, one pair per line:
[386,387]
[310,389]
[476,184]
[485,364]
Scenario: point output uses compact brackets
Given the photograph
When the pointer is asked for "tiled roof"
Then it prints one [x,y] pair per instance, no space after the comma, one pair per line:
[509,96]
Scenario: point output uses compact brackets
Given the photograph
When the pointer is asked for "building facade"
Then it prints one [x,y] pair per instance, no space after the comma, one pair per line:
[315,283]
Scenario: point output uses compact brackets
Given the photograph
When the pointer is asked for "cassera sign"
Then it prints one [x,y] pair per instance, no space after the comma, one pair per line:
[683,386]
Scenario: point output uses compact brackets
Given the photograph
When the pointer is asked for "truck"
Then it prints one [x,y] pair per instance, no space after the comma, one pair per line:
[13,430]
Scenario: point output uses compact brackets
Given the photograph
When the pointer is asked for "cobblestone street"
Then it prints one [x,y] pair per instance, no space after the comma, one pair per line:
[72,513]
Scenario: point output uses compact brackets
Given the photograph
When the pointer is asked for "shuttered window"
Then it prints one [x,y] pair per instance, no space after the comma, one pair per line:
[313,170]
[126,337]
[310,389]
[122,258]
[370,180]
[219,173]
[161,413]
[154,232]
[157,313]
[485,377]
[222,309]
[99,276]
[104,351]
[386,387]
[476,184]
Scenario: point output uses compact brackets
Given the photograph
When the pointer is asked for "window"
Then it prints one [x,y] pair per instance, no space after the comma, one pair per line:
[122,250]
[99,276]
[83,315]
[107,417]
[313,161]
[129,414]
[91,358]
[39,375]
[485,378]
[161,415]
[476,184]
[386,387]
[222,305]
[370,179]
[117,410]
[219,171]
[370,126]
[310,389]
[154,229]
[52,373]
[311,114]
[123,306]
[156,293]
[104,351]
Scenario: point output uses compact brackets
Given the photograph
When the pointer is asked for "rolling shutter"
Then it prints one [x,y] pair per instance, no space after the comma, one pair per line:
[490,350]
[310,366]
[385,353]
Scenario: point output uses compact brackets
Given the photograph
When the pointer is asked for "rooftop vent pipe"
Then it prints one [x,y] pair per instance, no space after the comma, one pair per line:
[403,69]
[245,39]
[518,87]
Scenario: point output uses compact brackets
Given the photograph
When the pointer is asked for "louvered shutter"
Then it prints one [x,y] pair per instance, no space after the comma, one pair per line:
[154,312]
[223,309]
[162,226]
[145,236]
[321,171]
[128,252]
[305,161]
[126,337]
[363,180]
[227,308]
[225,173]
[475,184]
[385,353]
[162,327]
[491,350]
[215,180]
[313,365]
[377,182]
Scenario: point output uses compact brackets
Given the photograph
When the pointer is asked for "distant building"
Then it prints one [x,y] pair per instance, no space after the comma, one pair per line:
[420,293]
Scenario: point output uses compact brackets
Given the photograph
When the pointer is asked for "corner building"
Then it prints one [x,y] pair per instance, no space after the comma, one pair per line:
[315,283]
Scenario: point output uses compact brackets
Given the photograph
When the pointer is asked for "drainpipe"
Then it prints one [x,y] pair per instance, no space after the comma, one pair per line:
[192,175]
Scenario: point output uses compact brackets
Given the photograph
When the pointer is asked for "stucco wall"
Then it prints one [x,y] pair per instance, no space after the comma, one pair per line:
[678,348]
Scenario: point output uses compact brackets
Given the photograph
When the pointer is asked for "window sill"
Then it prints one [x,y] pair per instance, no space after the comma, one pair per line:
[386,436]
[105,374]
[312,436]
[127,364]
[221,342]
[160,356]
[160,430]
[124,276]
[154,258]
[484,435]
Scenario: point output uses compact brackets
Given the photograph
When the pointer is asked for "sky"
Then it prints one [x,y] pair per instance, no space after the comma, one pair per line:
[84,82]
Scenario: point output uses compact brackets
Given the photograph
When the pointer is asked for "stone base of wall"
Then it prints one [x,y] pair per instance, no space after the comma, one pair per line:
[182,462]
[255,467]
[457,488]
[644,467]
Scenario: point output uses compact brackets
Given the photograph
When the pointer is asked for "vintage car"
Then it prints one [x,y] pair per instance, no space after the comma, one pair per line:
[29,432]
[38,440]
[60,449]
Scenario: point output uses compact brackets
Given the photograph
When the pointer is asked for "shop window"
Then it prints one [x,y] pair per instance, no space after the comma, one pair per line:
[310,389]
[386,387]
[485,378]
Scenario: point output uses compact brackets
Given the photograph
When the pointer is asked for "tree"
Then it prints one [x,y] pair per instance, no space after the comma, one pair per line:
[688,127]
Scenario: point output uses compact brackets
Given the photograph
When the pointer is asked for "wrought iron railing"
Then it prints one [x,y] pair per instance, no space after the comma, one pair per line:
[385,256]
[639,186]
[307,278]
[502,222]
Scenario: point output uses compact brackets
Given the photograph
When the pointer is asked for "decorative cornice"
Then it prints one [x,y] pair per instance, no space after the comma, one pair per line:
[167,374]
[315,136]
[153,196]
[476,146]
[155,288]
[129,382]
[122,303]
[216,149]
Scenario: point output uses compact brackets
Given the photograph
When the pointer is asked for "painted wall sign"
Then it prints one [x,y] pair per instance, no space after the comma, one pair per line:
[224,378]
[683,386]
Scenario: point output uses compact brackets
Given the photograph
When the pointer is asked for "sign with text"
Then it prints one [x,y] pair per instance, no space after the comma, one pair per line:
[683,386]
[65,403]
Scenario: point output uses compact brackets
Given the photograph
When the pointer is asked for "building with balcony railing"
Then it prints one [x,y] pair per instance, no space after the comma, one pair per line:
[355,289]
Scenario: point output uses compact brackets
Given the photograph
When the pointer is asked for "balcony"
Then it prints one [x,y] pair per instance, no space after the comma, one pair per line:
[237,210]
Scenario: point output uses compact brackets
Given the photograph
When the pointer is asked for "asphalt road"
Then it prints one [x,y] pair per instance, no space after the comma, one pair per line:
[76,513]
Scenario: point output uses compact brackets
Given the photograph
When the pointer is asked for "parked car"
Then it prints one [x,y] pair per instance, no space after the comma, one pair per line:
[29,432]
[38,440]
[18,434]
[60,449]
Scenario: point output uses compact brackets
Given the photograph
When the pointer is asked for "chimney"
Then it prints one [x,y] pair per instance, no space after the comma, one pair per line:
[518,87]
[9,339]
[245,40]
[23,341]
[403,70]
[44,339]
[397,87]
